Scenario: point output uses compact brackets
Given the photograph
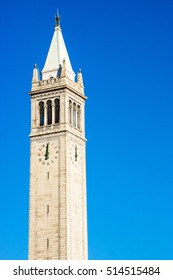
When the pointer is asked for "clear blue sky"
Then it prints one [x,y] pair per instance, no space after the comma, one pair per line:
[125,50]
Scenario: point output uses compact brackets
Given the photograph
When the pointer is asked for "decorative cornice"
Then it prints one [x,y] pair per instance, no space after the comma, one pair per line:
[57,84]
[47,94]
[46,135]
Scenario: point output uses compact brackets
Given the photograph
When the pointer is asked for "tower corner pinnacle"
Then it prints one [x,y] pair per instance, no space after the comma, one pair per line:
[63,72]
[80,78]
[35,76]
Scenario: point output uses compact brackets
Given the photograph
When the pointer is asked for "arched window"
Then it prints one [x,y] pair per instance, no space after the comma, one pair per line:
[49,112]
[70,112]
[74,115]
[78,116]
[41,111]
[57,110]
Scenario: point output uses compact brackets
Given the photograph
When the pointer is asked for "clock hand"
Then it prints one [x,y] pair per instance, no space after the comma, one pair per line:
[76,154]
[47,152]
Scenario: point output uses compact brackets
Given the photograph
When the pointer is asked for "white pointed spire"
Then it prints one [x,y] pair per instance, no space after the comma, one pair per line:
[35,74]
[57,53]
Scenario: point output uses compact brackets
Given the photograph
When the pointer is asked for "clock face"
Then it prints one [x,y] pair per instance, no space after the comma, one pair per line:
[48,153]
[75,155]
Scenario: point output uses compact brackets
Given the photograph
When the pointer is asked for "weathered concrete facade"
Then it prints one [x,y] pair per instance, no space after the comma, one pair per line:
[57,215]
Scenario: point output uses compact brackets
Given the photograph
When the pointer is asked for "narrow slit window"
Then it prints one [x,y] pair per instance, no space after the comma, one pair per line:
[74,115]
[49,112]
[78,116]
[70,112]
[47,175]
[47,243]
[41,111]
[47,209]
[57,110]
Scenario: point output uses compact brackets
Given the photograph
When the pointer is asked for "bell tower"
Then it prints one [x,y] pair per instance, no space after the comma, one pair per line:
[57,212]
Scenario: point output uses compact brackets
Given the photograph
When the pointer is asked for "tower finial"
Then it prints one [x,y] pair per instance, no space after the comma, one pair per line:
[57,19]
